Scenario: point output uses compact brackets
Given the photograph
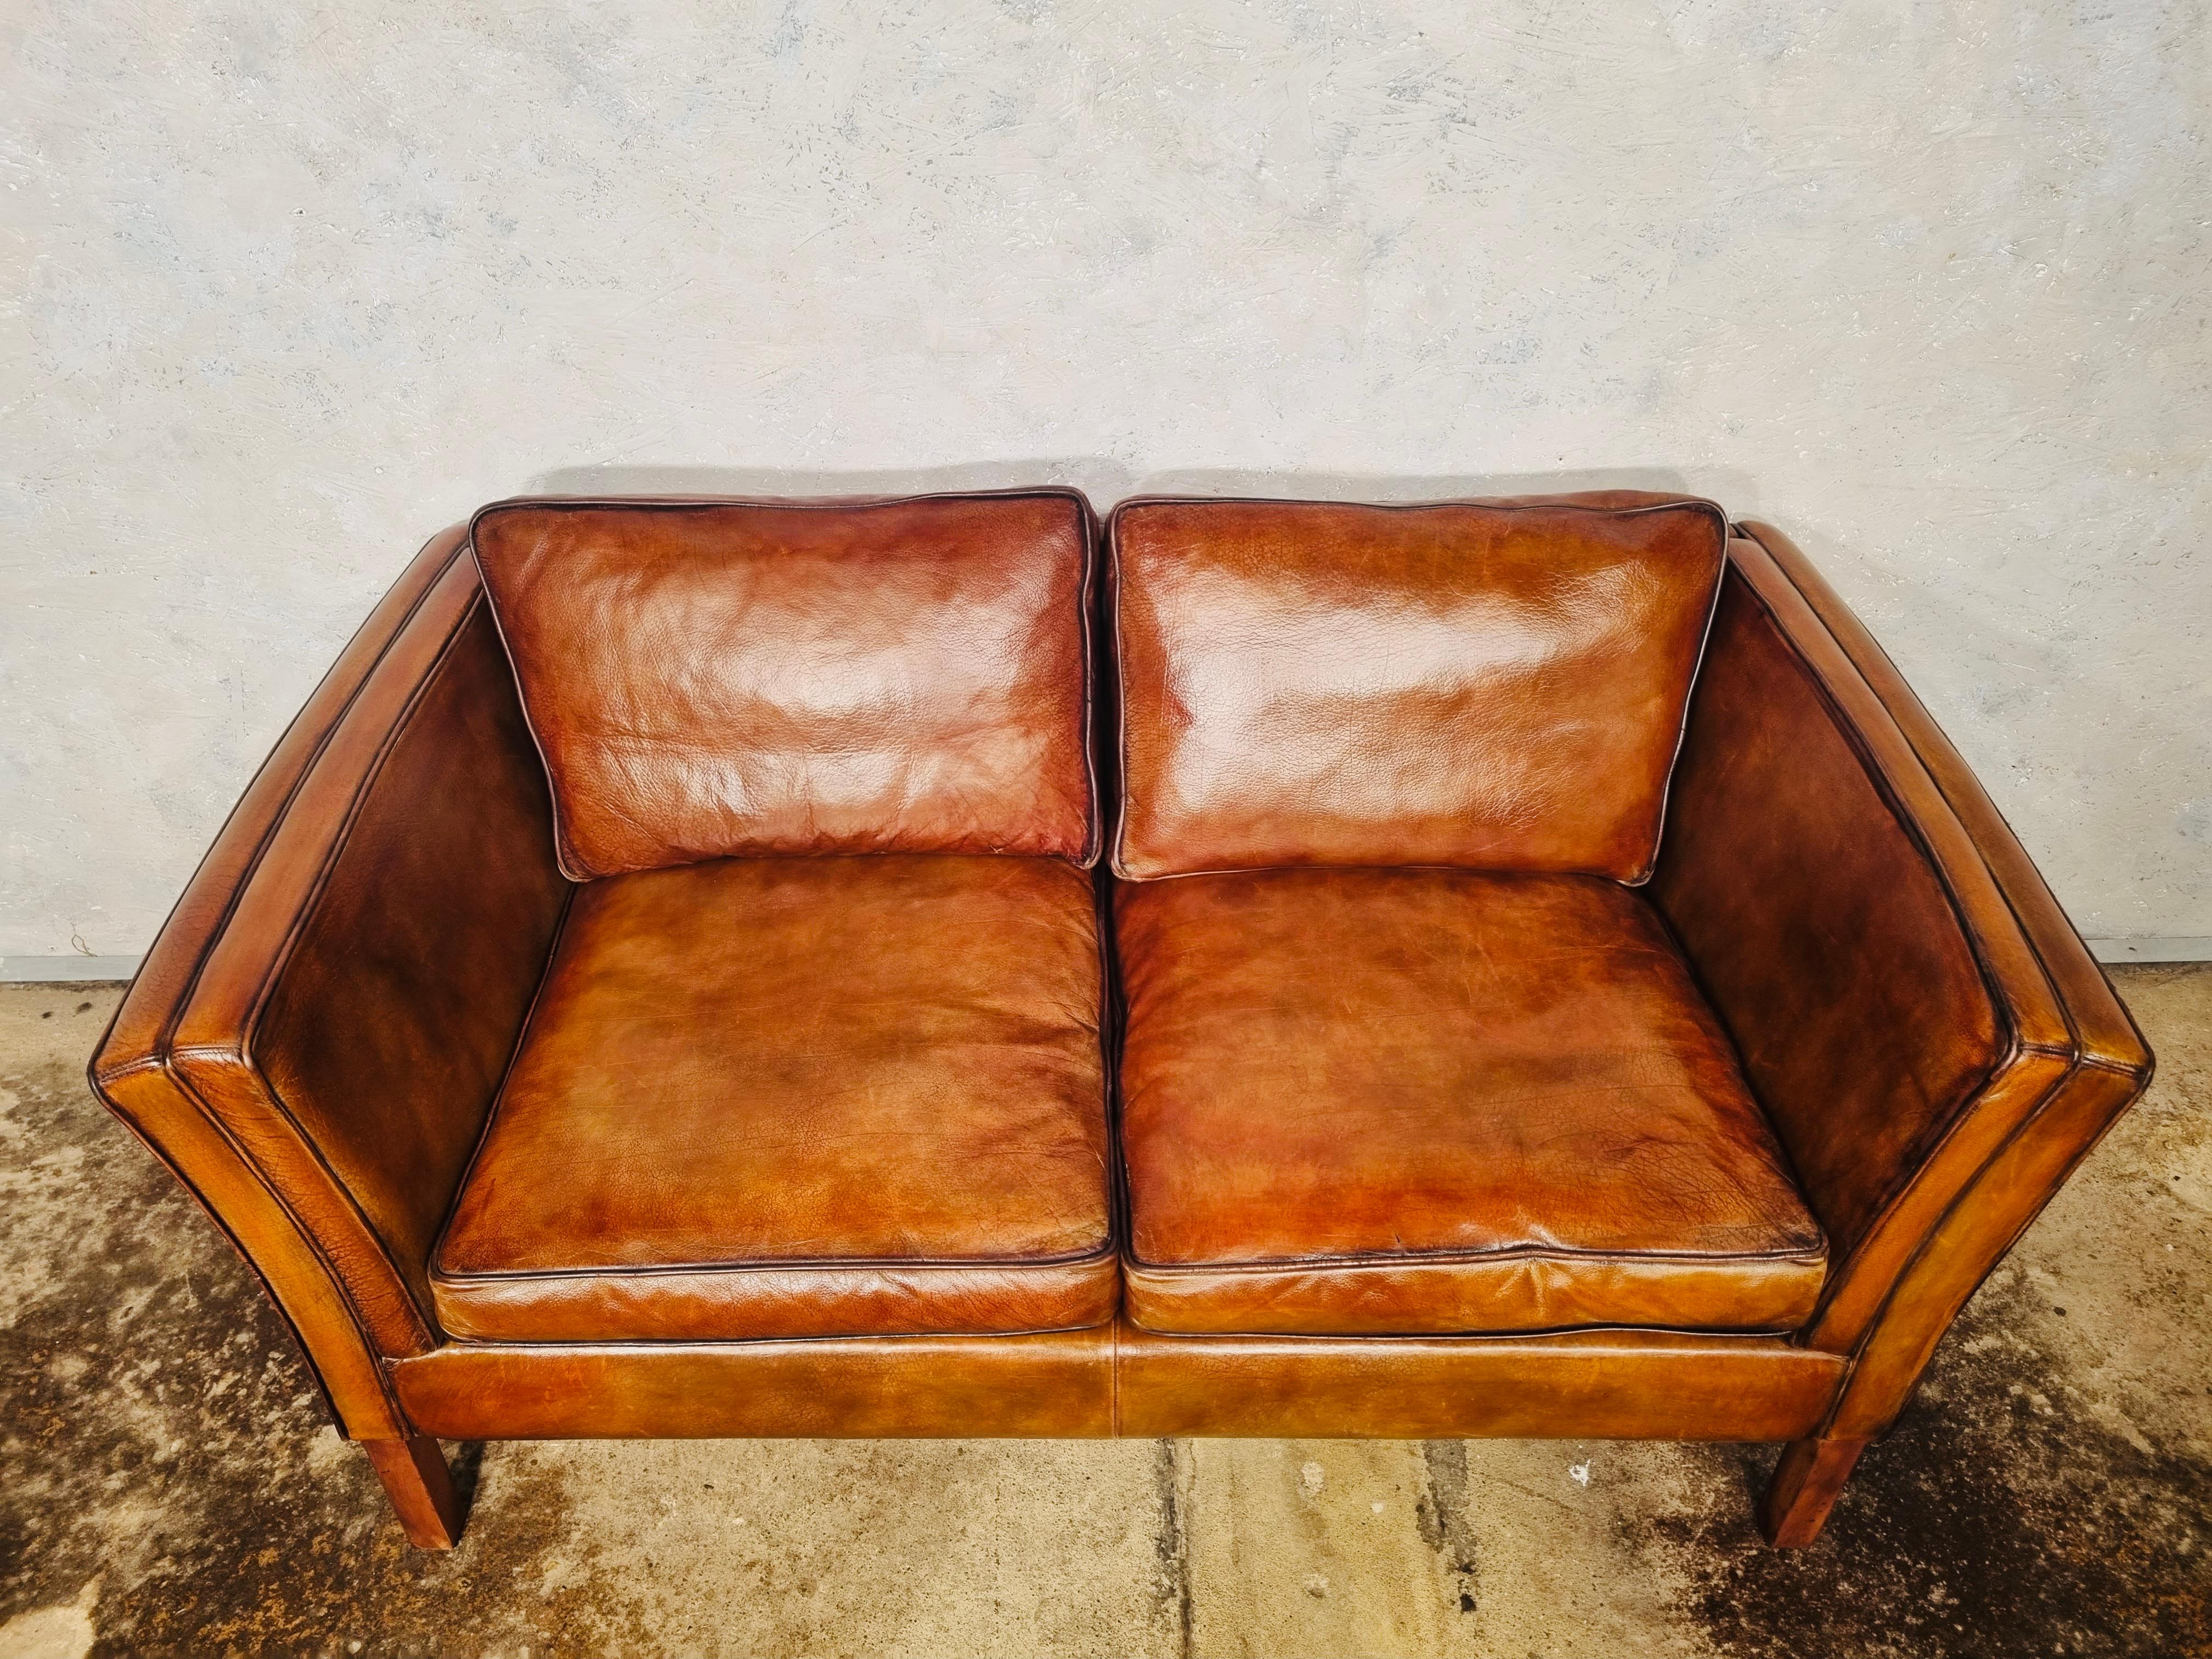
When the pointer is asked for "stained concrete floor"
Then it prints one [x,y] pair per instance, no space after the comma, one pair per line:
[167,1483]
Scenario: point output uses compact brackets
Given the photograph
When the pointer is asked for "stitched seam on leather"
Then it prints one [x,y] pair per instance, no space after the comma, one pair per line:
[1114,1376]
[2104,1063]
[1772,1342]
[1120,843]
[1116,586]
[1105,1252]
[1113,1021]
[563,852]
[564,857]
[1258,1266]
[615,1346]
[281,958]
[1762,1332]
[1094,816]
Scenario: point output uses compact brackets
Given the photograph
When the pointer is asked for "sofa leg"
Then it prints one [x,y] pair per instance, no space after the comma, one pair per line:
[1803,1490]
[421,1488]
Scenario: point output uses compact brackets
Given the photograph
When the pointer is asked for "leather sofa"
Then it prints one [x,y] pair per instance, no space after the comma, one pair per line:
[928,968]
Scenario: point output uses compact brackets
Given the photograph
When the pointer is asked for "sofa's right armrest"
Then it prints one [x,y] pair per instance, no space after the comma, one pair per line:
[1935,1044]
[311,1043]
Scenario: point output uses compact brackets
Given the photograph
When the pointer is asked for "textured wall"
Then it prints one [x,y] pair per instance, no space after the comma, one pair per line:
[286,287]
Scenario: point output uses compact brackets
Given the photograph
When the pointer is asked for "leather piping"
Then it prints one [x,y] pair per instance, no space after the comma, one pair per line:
[1097,1252]
[1448,1258]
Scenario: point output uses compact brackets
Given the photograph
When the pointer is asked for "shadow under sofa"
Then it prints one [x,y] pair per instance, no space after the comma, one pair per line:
[933,967]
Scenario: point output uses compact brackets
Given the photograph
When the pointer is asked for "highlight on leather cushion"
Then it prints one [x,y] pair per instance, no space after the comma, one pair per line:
[1488,685]
[714,679]
[799,1097]
[1370,1103]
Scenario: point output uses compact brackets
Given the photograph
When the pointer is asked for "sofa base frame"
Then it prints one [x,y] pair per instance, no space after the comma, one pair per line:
[1118,1381]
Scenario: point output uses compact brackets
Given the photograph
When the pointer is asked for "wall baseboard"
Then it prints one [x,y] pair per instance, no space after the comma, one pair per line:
[2150,948]
[53,970]
[48,971]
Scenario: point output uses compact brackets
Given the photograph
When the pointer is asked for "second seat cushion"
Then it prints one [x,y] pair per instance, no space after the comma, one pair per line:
[1398,1102]
[799,1097]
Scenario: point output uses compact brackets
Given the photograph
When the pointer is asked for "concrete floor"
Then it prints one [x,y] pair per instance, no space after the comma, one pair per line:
[167,1483]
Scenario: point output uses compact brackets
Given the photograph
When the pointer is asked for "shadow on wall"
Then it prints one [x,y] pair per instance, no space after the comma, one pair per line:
[1106,481]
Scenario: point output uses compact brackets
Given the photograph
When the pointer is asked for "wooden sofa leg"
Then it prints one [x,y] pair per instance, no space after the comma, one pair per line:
[421,1488]
[1803,1490]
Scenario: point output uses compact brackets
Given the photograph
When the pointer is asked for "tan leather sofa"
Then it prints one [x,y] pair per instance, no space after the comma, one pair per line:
[921,968]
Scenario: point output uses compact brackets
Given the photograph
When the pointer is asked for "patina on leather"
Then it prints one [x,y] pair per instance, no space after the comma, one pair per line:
[1498,685]
[803,1096]
[709,679]
[1841,930]
[1382,1102]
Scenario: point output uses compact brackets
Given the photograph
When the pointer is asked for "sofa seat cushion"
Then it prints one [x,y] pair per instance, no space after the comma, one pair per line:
[799,1097]
[1378,1102]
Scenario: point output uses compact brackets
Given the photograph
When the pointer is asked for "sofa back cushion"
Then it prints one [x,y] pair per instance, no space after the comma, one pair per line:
[1496,685]
[712,679]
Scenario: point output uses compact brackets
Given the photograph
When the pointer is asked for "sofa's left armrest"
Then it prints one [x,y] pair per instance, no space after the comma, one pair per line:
[1937,1044]
[315,1039]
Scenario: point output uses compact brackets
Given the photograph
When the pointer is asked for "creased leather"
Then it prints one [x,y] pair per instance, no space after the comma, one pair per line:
[1368,1102]
[311,1035]
[715,679]
[1496,685]
[784,1097]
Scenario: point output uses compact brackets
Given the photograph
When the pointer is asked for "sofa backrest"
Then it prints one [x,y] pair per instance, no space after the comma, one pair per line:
[1497,684]
[711,680]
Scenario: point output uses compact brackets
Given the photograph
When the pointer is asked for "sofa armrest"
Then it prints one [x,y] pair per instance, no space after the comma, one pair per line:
[1935,1044]
[314,1040]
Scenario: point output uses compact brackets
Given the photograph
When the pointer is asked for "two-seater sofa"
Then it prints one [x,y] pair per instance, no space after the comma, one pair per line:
[903,967]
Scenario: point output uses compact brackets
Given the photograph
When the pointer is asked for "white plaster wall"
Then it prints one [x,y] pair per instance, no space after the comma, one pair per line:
[289,287]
